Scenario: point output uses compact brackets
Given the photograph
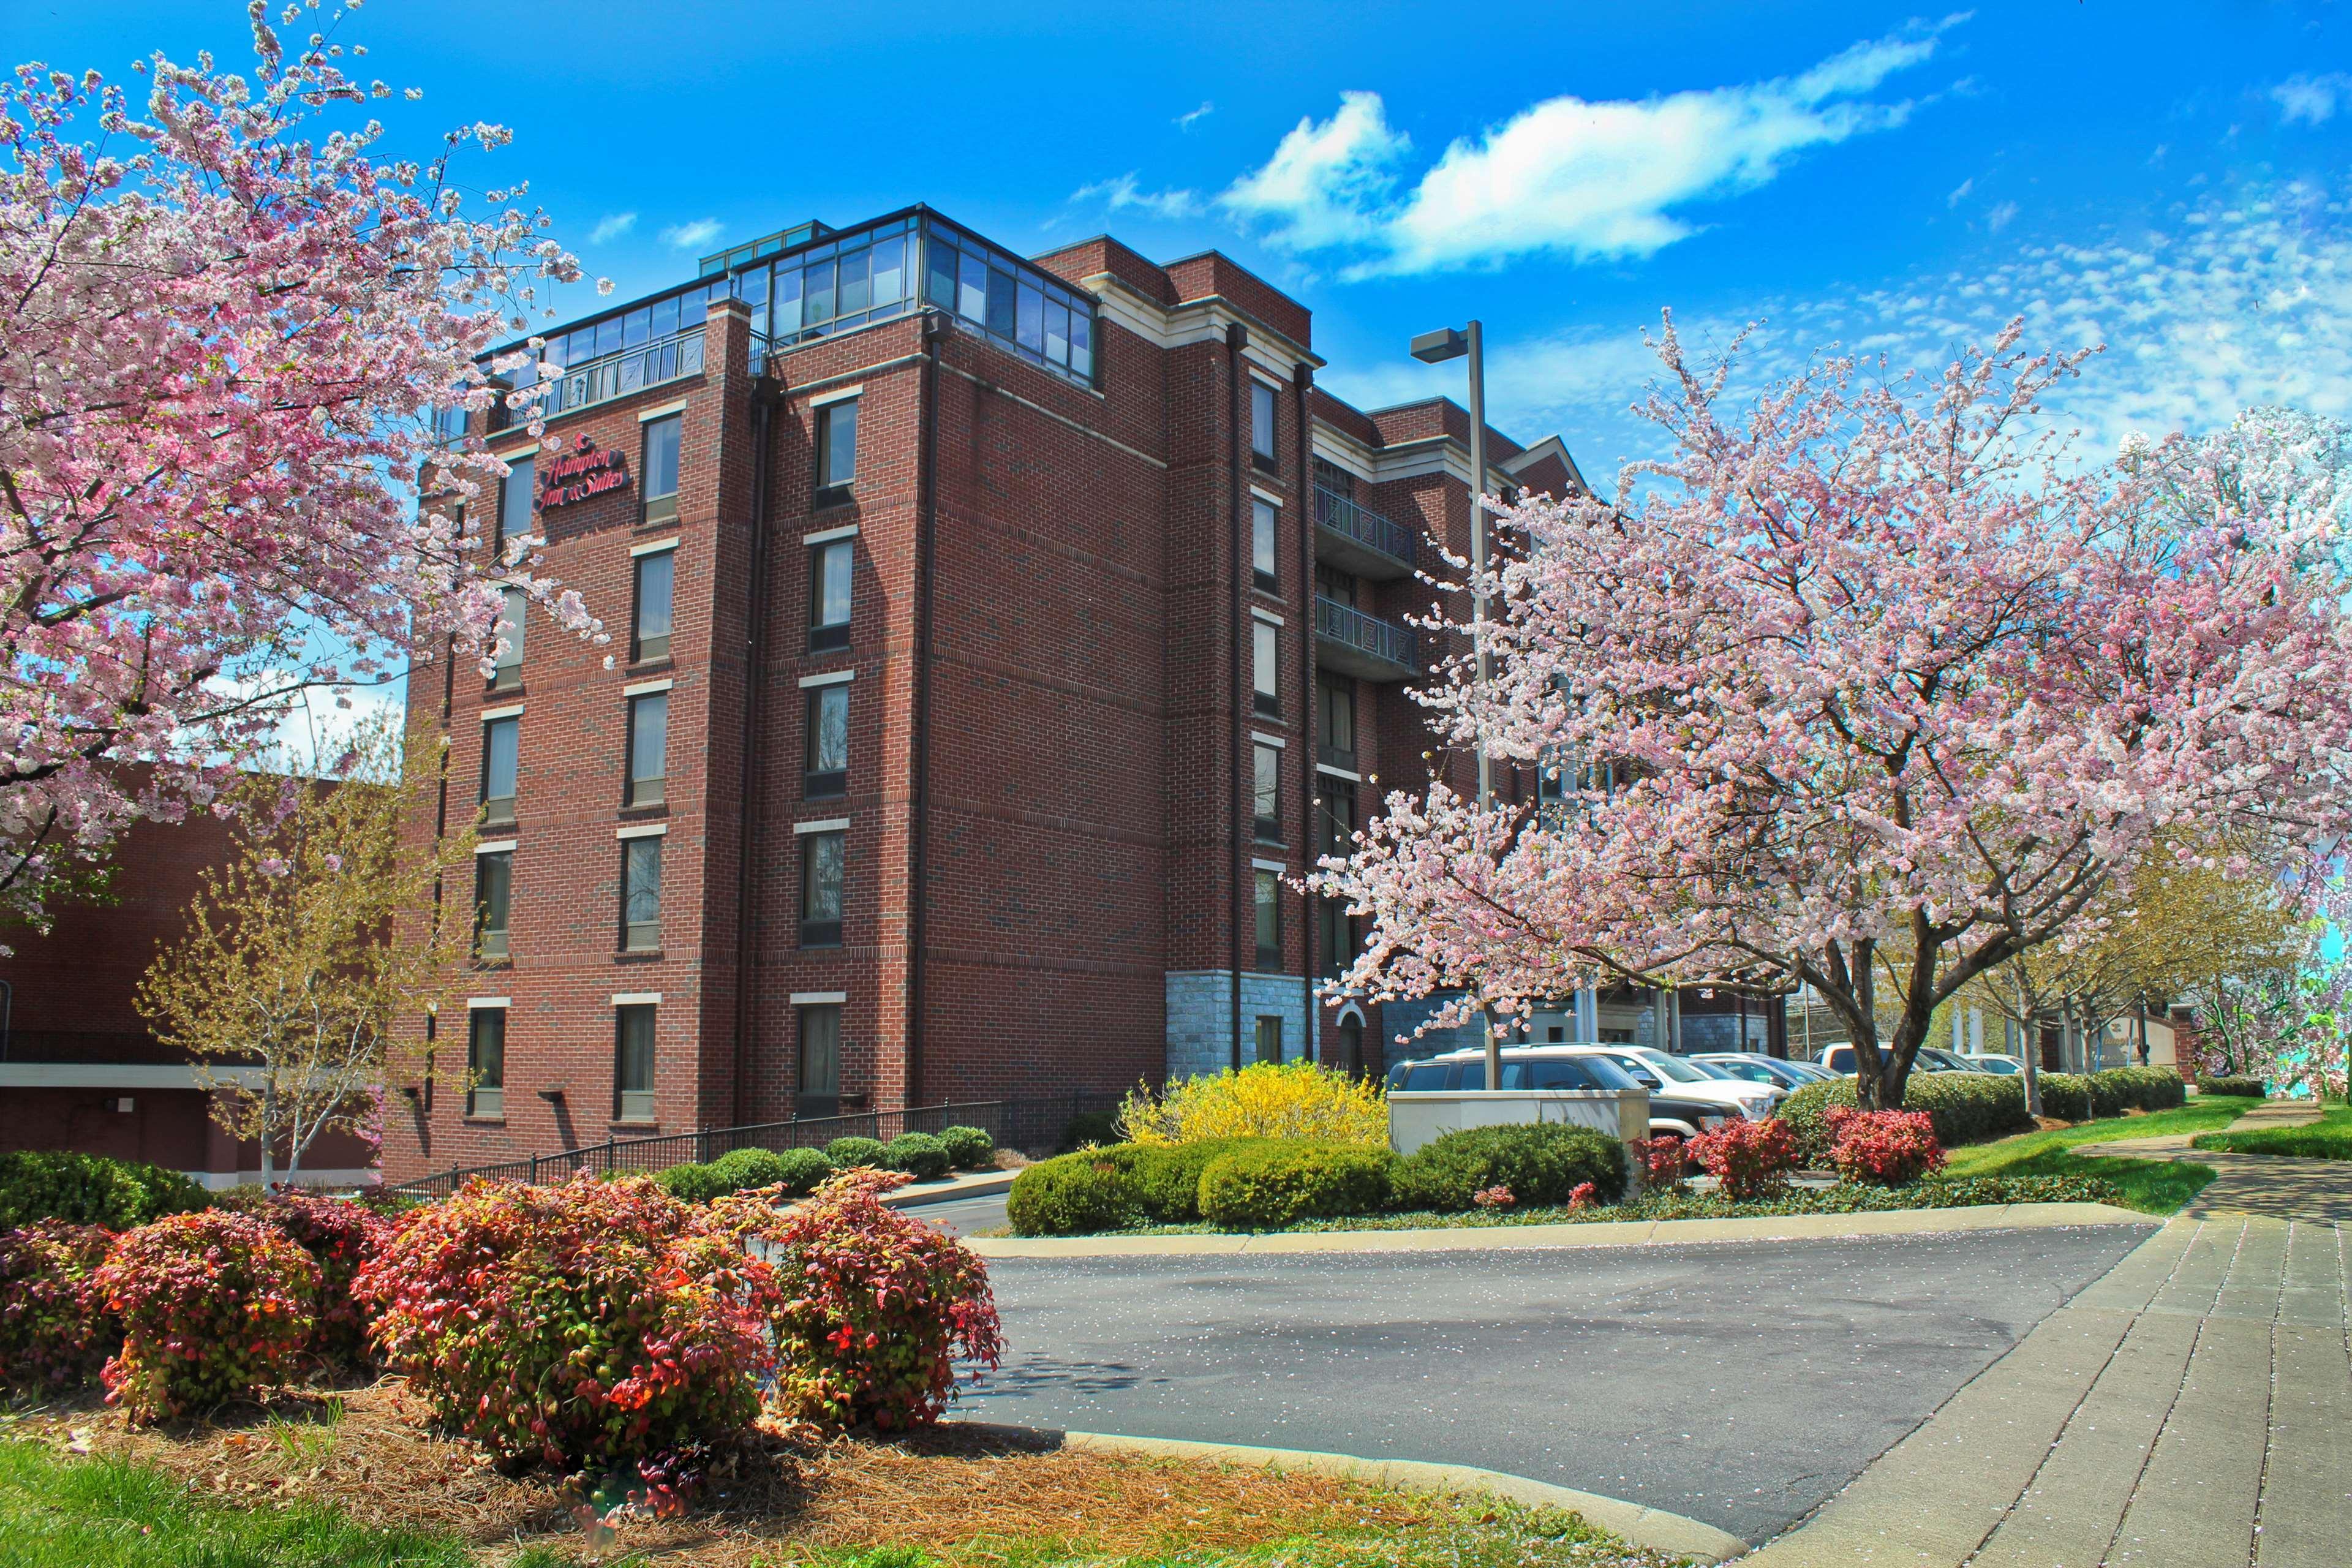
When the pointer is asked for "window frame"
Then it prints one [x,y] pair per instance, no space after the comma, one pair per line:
[489,816]
[629,854]
[1269,1026]
[1266,905]
[1266,668]
[1266,459]
[801,1090]
[824,933]
[1335,694]
[635,791]
[485,934]
[1265,544]
[522,471]
[656,508]
[641,648]
[485,1100]
[506,672]
[827,635]
[831,488]
[823,784]
[624,1013]
[1265,792]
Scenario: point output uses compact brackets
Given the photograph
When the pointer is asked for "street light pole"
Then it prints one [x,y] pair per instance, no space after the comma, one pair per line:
[1436,348]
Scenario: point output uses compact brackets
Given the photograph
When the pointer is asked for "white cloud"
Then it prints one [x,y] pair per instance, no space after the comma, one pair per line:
[612,227]
[2002,216]
[2239,299]
[691,235]
[2312,99]
[1589,180]
[1186,121]
[1960,193]
[1324,181]
[1123,192]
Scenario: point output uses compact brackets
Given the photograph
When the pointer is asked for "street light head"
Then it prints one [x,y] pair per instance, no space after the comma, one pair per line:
[1437,347]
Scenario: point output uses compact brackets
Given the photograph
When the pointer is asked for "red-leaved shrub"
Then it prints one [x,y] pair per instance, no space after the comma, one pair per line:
[598,1323]
[1584,1195]
[1661,1159]
[878,1307]
[1751,1159]
[54,1330]
[215,1306]
[340,1237]
[1882,1148]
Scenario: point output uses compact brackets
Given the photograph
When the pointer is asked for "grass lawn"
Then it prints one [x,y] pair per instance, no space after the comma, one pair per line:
[2329,1138]
[368,1490]
[2151,1186]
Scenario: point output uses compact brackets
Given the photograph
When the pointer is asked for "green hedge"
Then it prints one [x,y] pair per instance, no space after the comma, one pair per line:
[1965,1107]
[845,1153]
[919,1154]
[90,1189]
[2066,1095]
[1273,1183]
[1541,1164]
[1072,1194]
[693,1184]
[2119,1089]
[2251,1088]
[969,1148]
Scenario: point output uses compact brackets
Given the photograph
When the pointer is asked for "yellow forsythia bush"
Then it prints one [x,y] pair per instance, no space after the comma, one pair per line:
[1264,1100]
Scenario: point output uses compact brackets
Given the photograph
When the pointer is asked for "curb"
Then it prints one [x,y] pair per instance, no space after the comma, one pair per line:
[1640,1525]
[978,1185]
[1598,1232]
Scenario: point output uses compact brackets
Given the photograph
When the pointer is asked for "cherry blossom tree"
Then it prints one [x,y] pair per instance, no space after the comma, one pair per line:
[226,322]
[1871,688]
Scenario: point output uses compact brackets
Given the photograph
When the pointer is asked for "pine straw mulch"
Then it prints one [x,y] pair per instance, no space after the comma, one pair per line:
[371,1454]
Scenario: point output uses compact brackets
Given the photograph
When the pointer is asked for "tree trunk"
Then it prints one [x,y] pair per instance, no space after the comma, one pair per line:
[2029,1051]
[268,1125]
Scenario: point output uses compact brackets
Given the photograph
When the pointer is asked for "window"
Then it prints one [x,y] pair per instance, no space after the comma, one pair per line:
[641,861]
[1265,666]
[820,1077]
[827,772]
[1269,921]
[648,747]
[1266,788]
[661,467]
[632,1058]
[836,448]
[1262,426]
[1269,1039]
[1335,936]
[649,614]
[829,596]
[1263,516]
[1339,587]
[506,673]
[493,901]
[501,738]
[1335,815]
[1331,477]
[485,1062]
[821,878]
[515,498]
[1334,721]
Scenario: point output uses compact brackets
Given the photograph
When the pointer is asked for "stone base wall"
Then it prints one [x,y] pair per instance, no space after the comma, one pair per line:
[1201,1018]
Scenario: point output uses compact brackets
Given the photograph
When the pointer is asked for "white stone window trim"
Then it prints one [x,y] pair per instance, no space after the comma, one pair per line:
[838,395]
[488,1004]
[1267,496]
[1269,616]
[636,998]
[647,688]
[1279,866]
[824,824]
[655,548]
[495,846]
[1338,773]
[644,830]
[517,454]
[513,711]
[648,415]
[1277,742]
[830,678]
[827,535]
[819,998]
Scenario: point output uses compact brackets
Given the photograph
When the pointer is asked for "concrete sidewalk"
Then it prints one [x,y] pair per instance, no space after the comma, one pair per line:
[2279,1186]
[2192,1408]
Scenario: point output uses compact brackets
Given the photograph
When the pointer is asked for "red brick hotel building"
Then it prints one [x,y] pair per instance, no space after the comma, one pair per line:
[991,637]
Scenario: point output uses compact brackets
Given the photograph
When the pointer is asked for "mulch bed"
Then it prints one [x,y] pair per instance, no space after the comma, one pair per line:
[371,1452]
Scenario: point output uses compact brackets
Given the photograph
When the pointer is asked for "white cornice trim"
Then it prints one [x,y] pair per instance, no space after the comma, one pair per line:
[1198,320]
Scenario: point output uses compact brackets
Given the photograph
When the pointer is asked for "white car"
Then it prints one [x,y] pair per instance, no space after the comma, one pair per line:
[1688,1079]
[1991,1061]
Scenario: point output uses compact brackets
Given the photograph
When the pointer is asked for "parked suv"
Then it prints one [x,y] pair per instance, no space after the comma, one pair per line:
[1688,1079]
[1558,1067]
[1931,1059]
[1755,1069]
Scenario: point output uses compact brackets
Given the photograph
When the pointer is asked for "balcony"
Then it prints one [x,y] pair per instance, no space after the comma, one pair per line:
[1366,646]
[616,374]
[1359,539]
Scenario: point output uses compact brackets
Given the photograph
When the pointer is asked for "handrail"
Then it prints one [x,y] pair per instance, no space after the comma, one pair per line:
[1368,528]
[1368,634]
[614,374]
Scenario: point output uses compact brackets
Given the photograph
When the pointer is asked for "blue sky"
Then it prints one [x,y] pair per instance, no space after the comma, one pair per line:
[2170,179]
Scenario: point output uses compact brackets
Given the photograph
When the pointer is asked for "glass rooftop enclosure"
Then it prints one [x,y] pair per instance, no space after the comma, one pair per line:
[810,282]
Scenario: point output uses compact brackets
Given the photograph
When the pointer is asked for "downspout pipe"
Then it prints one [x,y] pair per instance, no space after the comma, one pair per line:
[1236,781]
[1302,381]
[764,395]
[926,592]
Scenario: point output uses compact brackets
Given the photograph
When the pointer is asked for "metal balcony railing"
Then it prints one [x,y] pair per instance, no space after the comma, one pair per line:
[1384,642]
[1365,526]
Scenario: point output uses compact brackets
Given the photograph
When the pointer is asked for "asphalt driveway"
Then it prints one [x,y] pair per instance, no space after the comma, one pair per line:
[1737,1382]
